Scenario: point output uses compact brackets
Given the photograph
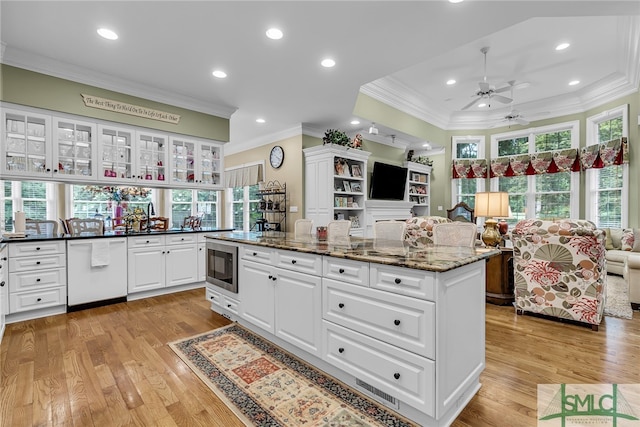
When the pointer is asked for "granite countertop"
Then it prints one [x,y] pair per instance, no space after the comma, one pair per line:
[429,257]
[118,233]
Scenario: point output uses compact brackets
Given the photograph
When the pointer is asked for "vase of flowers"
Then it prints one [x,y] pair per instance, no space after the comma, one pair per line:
[118,198]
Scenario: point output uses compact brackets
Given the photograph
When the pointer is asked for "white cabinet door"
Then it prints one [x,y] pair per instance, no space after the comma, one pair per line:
[146,268]
[256,282]
[298,317]
[4,289]
[195,162]
[116,154]
[75,150]
[152,158]
[26,145]
[181,264]
[202,262]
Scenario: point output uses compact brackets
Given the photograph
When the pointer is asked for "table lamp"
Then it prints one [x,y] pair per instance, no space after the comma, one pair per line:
[490,205]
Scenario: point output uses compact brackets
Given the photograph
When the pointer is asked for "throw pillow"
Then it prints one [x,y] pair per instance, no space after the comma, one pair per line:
[636,240]
[627,239]
[616,237]
[608,244]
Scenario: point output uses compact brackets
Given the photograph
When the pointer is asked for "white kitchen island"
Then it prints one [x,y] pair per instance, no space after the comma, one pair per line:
[403,325]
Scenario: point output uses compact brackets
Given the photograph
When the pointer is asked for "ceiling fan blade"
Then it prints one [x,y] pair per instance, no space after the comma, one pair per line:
[484,86]
[502,99]
[521,121]
[471,103]
[502,89]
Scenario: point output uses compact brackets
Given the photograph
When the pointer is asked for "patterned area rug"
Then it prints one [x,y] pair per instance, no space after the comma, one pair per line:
[267,386]
[617,304]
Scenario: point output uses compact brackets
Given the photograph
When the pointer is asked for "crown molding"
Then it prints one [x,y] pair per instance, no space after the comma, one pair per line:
[237,147]
[52,67]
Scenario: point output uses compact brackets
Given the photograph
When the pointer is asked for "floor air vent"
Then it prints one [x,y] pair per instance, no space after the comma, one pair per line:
[377,394]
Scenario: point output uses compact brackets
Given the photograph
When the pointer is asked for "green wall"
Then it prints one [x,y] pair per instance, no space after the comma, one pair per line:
[33,89]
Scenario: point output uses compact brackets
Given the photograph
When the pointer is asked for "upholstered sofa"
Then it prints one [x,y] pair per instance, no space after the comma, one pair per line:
[623,251]
[560,269]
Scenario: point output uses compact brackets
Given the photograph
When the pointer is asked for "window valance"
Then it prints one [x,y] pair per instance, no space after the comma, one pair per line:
[610,153]
[536,164]
[615,152]
[243,176]
[469,168]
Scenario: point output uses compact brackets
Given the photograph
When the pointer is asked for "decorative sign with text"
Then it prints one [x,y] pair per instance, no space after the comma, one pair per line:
[132,110]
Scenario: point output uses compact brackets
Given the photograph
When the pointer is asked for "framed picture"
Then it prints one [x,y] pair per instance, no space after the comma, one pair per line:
[356,187]
[347,186]
[355,221]
[356,171]
[341,167]
[340,216]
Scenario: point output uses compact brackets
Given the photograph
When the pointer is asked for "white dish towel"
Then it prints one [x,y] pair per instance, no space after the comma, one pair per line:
[100,256]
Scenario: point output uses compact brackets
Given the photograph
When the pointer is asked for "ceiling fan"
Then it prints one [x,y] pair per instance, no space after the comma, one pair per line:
[513,116]
[487,91]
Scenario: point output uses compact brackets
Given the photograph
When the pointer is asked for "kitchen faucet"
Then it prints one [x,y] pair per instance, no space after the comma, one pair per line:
[150,211]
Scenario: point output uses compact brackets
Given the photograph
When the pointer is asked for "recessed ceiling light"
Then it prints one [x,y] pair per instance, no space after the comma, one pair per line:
[574,82]
[355,122]
[426,145]
[274,33]
[261,121]
[107,34]
[456,1]
[562,46]
[328,63]
[482,105]
[219,74]
[451,82]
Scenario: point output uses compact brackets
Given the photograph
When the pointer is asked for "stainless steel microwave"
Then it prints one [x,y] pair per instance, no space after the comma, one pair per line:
[222,265]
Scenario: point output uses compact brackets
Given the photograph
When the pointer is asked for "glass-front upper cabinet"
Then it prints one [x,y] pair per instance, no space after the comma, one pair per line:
[183,172]
[195,163]
[26,145]
[210,173]
[75,149]
[152,158]
[115,153]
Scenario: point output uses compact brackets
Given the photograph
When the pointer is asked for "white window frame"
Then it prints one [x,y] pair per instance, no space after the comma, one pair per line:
[530,133]
[591,181]
[18,201]
[481,142]
[168,202]
[228,200]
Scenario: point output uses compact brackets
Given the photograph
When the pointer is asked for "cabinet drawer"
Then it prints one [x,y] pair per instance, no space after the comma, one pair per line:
[36,248]
[346,270]
[37,262]
[29,280]
[25,301]
[222,301]
[180,239]
[142,241]
[404,281]
[256,253]
[299,261]
[401,374]
[404,322]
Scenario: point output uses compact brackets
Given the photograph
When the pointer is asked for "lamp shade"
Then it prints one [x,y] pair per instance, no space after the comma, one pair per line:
[492,204]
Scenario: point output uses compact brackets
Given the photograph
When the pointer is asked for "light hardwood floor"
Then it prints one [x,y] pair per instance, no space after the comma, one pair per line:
[111,366]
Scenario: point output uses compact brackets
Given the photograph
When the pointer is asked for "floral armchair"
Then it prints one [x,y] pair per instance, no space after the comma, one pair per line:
[559,269]
[419,231]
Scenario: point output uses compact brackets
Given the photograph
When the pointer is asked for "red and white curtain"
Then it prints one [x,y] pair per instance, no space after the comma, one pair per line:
[614,152]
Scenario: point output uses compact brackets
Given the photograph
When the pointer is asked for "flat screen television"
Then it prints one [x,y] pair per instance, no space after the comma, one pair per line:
[388,182]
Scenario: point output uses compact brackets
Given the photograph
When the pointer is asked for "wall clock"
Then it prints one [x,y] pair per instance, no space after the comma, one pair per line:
[276,157]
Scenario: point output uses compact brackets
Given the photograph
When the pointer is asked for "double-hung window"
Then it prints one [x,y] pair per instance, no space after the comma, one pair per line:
[202,203]
[607,184]
[466,151]
[36,199]
[535,167]
[243,208]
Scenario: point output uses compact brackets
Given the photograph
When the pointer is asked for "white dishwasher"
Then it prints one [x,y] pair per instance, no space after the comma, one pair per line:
[96,269]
